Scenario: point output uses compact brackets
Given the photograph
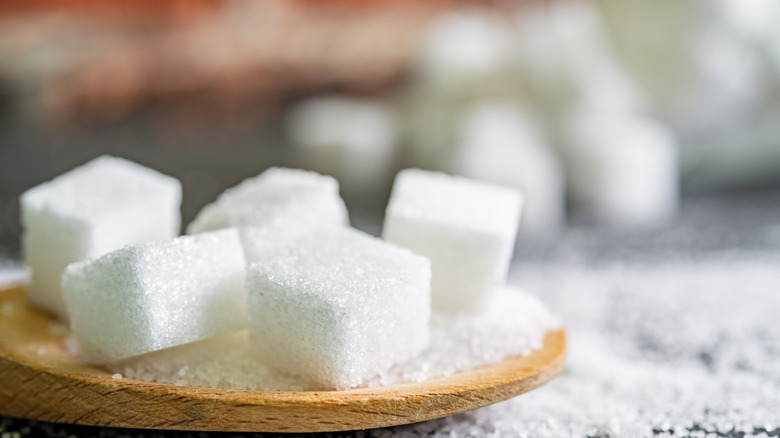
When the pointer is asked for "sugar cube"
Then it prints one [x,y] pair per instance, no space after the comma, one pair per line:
[339,306]
[156,295]
[464,44]
[259,242]
[500,143]
[622,169]
[278,196]
[466,228]
[92,210]
[351,138]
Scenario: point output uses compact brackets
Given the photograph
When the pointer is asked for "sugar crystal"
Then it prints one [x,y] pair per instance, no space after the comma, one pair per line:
[338,305]
[157,295]
[90,211]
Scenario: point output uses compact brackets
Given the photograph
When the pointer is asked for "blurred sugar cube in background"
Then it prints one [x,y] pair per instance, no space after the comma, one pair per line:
[500,144]
[351,139]
[622,168]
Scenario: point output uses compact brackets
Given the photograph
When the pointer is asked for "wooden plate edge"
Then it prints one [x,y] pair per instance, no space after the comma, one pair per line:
[88,396]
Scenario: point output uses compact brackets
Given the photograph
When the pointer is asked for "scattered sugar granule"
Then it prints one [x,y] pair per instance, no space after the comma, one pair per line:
[352,139]
[226,362]
[116,376]
[681,348]
[514,324]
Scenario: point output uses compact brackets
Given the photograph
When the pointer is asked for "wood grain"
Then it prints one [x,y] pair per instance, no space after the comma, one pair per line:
[38,380]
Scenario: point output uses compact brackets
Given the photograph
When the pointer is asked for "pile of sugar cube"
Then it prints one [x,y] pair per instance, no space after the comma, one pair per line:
[273,257]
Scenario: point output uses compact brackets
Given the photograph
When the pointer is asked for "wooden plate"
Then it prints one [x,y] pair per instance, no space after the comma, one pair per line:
[38,380]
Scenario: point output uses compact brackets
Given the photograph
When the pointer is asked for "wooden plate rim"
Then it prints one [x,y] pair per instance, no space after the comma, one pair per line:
[69,392]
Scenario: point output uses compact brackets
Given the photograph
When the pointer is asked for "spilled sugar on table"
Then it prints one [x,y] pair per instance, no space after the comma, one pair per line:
[40,381]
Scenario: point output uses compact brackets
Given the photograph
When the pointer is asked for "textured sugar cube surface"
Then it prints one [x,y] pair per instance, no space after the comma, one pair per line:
[92,210]
[515,323]
[466,228]
[156,295]
[338,305]
[260,242]
[275,197]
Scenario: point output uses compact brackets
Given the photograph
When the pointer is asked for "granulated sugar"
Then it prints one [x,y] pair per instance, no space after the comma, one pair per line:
[515,324]
[683,349]
[224,362]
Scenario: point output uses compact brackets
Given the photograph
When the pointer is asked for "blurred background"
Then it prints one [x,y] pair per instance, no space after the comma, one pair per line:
[612,114]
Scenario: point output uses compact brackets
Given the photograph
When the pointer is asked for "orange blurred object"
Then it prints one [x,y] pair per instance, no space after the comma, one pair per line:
[169,10]
[91,60]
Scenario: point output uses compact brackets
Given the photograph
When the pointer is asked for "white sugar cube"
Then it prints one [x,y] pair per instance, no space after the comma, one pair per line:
[465,43]
[338,307]
[499,143]
[92,210]
[156,295]
[276,197]
[349,138]
[466,228]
